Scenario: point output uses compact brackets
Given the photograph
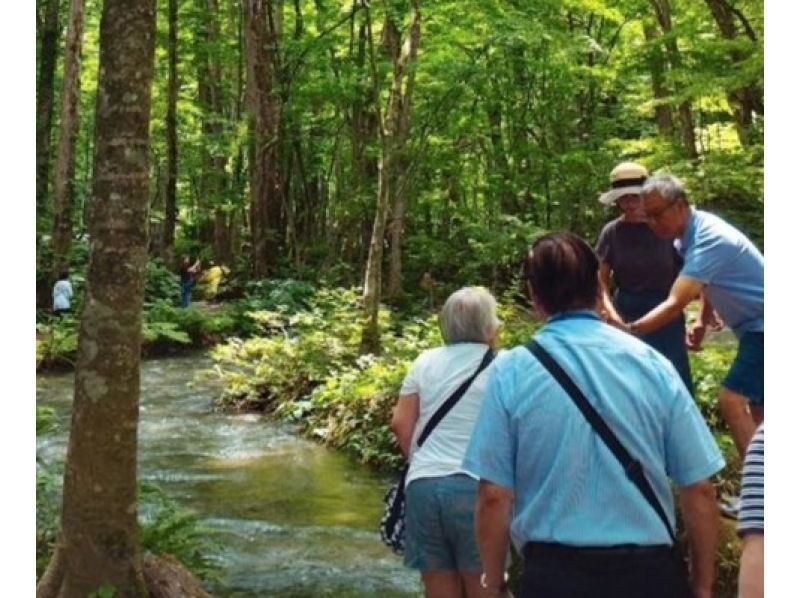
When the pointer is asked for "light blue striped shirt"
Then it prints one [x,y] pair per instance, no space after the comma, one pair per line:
[569,488]
[732,268]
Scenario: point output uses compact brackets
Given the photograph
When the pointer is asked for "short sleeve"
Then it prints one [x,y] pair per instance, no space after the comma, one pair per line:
[692,454]
[705,258]
[604,247]
[490,454]
[411,383]
[751,510]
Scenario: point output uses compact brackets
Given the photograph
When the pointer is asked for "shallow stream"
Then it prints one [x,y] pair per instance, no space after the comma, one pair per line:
[293,518]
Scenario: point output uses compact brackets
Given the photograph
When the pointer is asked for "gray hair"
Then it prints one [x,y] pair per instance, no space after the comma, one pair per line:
[667,186]
[469,316]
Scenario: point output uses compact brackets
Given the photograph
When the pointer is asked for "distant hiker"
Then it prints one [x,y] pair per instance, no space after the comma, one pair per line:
[641,265]
[428,284]
[211,279]
[188,274]
[728,269]
[440,495]
[62,294]
[549,481]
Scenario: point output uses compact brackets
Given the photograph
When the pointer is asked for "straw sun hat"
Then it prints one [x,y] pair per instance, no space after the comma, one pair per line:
[627,178]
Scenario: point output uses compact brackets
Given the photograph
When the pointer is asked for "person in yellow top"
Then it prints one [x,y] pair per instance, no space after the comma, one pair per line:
[211,279]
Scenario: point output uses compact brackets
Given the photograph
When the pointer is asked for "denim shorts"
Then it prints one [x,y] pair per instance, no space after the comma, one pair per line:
[440,524]
[746,376]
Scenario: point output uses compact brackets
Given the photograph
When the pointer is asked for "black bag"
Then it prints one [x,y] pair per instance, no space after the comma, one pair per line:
[393,522]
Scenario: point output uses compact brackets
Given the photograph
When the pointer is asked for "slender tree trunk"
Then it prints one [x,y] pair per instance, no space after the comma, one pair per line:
[99,542]
[264,105]
[746,100]
[660,92]
[51,31]
[65,167]
[389,129]
[215,178]
[664,16]
[171,195]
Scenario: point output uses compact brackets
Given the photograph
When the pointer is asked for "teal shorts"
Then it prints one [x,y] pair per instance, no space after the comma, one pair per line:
[440,524]
[746,376]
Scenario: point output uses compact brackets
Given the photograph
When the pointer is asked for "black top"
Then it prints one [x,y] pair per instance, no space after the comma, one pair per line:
[641,261]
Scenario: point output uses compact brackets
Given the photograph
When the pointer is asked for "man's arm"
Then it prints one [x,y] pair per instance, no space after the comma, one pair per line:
[404,418]
[684,289]
[697,331]
[699,507]
[493,518]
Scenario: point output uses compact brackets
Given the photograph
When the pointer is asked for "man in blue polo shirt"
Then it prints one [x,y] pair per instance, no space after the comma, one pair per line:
[550,484]
[725,266]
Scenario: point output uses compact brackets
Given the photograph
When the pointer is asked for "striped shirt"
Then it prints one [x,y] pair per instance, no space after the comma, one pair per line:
[751,511]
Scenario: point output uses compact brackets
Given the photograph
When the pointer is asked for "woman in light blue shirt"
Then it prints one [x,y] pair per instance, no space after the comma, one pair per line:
[62,294]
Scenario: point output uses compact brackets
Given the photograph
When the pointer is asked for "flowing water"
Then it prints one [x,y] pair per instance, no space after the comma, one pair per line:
[294,519]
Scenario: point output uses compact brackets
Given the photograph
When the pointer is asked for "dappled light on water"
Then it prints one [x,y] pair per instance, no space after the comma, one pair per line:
[293,519]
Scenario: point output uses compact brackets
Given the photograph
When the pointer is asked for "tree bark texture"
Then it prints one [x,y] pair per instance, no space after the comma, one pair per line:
[51,31]
[65,166]
[748,99]
[99,542]
[685,118]
[171,194]
[211,97]
[392,143]
[265,112]
[657,65]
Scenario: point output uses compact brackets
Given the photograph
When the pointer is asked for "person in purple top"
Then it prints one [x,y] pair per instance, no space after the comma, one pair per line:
[724,266]
[641,265]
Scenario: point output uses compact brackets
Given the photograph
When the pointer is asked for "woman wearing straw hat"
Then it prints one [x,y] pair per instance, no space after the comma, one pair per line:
[641,265]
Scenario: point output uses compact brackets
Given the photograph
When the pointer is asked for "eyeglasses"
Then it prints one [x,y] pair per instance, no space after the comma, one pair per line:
[657,214]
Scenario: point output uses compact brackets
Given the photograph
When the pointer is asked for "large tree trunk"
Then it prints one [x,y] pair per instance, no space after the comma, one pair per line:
[65,167]
[264,105]
[44,105]
[99,542]
[685,118]
[391,146]
[171,195]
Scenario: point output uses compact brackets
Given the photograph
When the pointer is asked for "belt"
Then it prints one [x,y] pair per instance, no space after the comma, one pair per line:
[533,549]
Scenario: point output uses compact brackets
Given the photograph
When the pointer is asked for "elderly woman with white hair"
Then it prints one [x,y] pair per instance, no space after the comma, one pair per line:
[440,494]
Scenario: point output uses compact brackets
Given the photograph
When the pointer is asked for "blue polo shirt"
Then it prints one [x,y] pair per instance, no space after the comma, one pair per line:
[568,487]
[731,267]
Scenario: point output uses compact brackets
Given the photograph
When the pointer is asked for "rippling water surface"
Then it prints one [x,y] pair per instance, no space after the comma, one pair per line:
[294,519]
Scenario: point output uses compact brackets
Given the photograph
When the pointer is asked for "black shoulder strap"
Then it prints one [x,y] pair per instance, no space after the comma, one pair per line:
[453,399]
[633,468]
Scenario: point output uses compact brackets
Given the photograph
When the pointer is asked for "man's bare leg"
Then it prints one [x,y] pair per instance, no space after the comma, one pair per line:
[739,418]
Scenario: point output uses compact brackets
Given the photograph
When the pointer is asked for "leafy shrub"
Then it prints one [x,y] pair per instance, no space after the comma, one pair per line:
[57,341]
[161,284]
[165,528]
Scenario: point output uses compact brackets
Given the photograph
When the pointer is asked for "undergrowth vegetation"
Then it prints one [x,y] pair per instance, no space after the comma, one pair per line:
[304,367]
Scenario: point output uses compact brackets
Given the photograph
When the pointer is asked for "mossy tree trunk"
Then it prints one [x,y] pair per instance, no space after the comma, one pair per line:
[65,166]
[99,541]
[44,105]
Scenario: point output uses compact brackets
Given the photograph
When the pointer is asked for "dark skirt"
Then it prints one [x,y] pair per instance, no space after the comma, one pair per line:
[669,340]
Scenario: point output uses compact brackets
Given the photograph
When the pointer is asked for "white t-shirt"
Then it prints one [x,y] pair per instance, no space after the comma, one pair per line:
[62,293]
[434,376]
